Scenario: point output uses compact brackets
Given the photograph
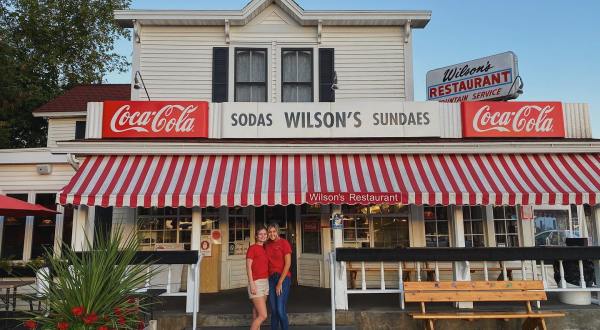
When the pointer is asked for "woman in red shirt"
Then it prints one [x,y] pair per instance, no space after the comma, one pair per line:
[257,267]
[279,252]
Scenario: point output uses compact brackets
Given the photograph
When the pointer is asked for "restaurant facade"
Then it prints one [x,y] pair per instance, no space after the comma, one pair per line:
[278,114]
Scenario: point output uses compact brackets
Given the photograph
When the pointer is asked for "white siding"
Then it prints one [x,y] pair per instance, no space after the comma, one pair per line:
[237,273]
[450,120]
[61,129]
[309,271]
[577,121]
[18,178]
[369,61]
[176,61]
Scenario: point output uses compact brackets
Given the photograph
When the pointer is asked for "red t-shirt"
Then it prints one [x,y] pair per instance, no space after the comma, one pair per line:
[260,262]
[276,251]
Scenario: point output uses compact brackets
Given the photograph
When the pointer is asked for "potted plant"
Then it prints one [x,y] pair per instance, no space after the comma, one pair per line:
[96,289]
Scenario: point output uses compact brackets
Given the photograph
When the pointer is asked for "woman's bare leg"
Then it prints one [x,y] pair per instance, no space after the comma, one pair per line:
[260,306]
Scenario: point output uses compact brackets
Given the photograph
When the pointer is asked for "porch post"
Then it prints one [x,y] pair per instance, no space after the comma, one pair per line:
[596,237]
[83,226]
[340,283]
[460,269]
[195,246]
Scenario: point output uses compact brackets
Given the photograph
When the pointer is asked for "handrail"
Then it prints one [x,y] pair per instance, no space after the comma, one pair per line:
[468,254]
[164,257]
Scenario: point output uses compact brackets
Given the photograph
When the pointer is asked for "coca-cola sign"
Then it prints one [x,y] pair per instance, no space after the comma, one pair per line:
[512,119]
[155,119]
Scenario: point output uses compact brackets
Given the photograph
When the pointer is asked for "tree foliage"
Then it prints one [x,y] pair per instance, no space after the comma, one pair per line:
[46,47]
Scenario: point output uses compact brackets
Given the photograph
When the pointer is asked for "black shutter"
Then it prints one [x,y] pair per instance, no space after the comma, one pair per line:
[220,74]
[326,74]
[79,130]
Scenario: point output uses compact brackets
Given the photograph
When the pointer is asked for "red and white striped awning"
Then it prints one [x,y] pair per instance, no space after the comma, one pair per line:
[510,179]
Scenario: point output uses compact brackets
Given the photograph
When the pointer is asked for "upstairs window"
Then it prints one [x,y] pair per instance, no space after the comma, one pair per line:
[79,130]
[297,75]
[250,75]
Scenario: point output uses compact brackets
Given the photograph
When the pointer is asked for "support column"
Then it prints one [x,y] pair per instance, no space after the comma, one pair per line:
[596,236]
[193,288]
[340,276]
[83,226]
[460,269]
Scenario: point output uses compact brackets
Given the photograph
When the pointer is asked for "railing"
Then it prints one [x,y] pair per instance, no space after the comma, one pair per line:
[385,270]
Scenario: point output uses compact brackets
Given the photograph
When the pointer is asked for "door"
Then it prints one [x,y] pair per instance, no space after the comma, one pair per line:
[285,217]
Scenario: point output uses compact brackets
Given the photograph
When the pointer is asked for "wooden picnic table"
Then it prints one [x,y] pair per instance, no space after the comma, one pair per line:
[12,284]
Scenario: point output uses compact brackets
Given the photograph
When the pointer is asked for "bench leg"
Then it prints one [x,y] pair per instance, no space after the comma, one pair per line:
[534,323]
[429,325]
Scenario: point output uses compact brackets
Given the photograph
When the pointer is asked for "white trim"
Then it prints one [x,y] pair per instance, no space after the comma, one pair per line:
[420,18]
[31,156]
[60,114]
[234,148]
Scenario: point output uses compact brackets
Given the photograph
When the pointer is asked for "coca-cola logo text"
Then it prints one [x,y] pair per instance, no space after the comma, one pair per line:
[155,119]
[170,118]
[512,119]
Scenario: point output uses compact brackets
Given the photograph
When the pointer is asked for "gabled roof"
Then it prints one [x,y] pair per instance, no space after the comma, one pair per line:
[75,99]
[418,18]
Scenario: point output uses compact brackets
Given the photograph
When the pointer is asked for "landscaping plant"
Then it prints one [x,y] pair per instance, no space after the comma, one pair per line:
[95,289]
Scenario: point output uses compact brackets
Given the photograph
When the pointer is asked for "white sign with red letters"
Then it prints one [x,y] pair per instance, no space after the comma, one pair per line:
[488,78]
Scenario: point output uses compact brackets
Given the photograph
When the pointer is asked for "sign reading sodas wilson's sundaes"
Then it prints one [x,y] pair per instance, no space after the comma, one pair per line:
[488,78]
[155,119]
[512,119]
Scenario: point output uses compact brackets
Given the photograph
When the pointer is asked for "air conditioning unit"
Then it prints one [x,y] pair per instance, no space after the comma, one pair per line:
[44,169]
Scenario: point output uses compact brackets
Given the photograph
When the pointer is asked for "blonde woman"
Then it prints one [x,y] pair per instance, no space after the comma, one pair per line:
[257,268]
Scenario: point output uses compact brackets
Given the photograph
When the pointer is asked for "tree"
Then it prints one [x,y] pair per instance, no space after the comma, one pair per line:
[46,47]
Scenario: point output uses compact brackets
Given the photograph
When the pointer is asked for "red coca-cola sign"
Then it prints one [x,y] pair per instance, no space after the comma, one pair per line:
[155,119]
[512,119]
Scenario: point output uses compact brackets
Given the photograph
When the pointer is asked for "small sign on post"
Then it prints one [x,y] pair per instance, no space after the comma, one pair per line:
[206,246]
[337,221]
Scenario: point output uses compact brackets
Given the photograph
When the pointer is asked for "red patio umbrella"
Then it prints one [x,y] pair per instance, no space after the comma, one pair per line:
[12,207]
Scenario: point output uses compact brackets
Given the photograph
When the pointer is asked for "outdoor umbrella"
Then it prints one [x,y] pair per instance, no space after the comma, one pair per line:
[12,207]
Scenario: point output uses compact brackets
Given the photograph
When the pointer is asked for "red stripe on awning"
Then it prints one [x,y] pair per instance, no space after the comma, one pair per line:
[130,181]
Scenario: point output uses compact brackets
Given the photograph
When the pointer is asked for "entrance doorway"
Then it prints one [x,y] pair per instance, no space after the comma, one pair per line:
[285,217]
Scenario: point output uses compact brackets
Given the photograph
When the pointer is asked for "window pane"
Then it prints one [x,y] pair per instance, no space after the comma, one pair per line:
[304,66]
[258,66]
[476,212]
[258,94]
[242,67]
[477,227]
[289,66]
[311,235]
[498,212]
[304,93]
[430,228]
[289,93]
[441,212]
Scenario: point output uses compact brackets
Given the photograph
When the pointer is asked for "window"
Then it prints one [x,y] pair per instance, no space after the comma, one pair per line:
[250,75]
[551,227]
[284,216]
[327,76]
[310,217]
[14,233]
[390,232]
[43,227]
[436,226]
[169,228]
[356,226]
[506,227]
[473,222]
[210,220]
[79,130]
[220,74]
[297,75]
[239,231]
[591,225]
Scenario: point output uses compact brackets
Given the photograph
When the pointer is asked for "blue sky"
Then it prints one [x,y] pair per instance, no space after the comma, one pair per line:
[557,42]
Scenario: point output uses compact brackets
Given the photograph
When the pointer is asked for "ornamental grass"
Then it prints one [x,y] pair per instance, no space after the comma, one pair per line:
[96,289]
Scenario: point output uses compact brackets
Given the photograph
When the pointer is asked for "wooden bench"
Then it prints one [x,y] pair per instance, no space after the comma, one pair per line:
[479,291]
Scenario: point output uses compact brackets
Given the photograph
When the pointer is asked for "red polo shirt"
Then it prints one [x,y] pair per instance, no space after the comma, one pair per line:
[276,251]
[260,262]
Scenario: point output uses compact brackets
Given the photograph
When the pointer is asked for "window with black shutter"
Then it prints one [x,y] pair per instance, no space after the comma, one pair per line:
[326,75]
[79,130]
[297,75]
[220,74]
[250,75]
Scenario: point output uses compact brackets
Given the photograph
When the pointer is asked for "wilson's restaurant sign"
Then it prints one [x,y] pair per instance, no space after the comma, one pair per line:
[155,119]
[512,119]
